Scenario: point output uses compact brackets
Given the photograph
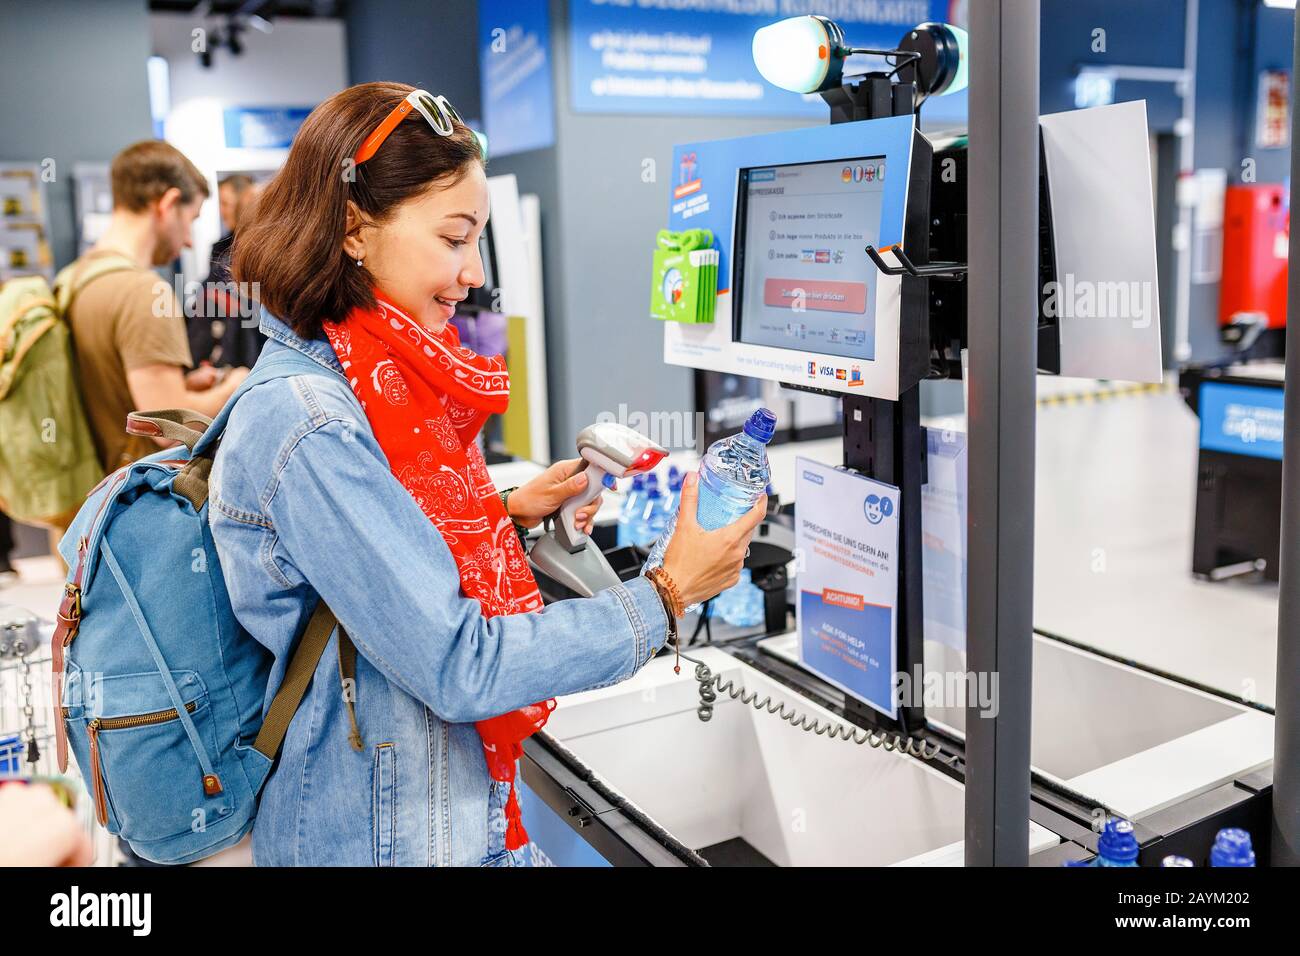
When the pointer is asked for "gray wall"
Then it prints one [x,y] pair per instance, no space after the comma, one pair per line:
[432,44]
[74,90]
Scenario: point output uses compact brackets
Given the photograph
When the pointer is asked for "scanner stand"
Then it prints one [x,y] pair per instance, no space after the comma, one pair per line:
[584,571]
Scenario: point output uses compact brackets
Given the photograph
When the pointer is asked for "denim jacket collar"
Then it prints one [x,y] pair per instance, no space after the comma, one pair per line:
[318,350]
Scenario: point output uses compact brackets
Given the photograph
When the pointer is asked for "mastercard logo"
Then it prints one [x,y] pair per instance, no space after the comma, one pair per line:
[846,174]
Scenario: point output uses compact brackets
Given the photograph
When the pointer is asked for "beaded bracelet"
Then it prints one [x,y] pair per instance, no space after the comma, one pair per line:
[672,601]
[667,587]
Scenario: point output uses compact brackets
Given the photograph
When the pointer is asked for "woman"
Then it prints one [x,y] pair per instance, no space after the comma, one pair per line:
[360,484]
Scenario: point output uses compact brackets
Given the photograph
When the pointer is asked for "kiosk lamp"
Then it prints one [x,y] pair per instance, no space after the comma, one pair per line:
[807,54]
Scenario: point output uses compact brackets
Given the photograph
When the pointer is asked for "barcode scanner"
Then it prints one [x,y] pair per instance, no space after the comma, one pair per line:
[606,448]
[568,555]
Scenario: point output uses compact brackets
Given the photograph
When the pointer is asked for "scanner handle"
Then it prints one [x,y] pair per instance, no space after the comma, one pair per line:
[566,522]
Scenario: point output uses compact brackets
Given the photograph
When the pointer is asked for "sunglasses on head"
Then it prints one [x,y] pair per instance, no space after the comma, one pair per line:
[435,109]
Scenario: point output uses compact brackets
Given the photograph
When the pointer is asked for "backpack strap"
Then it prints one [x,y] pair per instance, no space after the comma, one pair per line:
[297,677]
[177,424]
[192,482]
[76,277]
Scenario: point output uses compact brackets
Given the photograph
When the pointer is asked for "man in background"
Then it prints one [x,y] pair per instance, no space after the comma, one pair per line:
[230,190]
[222,319]
[128,331]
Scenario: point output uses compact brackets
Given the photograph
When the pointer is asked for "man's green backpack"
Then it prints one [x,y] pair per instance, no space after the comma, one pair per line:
[47,456]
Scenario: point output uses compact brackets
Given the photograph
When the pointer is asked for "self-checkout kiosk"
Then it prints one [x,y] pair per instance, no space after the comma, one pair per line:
[841,270]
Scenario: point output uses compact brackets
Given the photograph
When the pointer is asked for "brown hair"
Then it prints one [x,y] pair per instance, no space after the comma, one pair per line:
[236,181]
[292,247]
[142,172]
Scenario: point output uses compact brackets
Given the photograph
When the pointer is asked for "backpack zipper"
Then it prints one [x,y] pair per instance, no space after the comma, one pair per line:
[120,723]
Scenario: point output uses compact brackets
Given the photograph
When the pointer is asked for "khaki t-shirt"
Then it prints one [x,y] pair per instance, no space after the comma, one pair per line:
[122,321]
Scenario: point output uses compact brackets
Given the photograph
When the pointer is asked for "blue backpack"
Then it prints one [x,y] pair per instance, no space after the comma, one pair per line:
[158,687]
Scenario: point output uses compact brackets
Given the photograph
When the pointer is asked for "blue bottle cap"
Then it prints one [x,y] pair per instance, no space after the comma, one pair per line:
[652,480]
[609,481]
[673,472]
[1117,842]
[638,482]
[761,425]
[1232,848]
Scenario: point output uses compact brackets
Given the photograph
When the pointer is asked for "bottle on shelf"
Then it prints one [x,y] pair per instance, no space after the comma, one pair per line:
[674,496]
[1118,845]
[649,519]
[1232,848]
[626,514]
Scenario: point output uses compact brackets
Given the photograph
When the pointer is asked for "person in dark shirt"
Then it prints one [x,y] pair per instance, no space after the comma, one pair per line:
[222,321]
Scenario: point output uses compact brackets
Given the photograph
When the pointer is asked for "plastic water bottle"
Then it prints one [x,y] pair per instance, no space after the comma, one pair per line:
[733,474]
[1117,845]
[1232,848]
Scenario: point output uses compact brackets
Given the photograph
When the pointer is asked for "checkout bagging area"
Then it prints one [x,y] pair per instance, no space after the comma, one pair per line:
[896,706]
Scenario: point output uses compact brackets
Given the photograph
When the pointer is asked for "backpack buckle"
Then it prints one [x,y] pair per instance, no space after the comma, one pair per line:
[70,611]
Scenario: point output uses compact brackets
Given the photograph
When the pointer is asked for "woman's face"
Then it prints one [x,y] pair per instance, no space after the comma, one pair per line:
[425,258]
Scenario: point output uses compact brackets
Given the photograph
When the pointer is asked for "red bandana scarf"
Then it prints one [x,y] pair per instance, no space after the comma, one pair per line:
[426,397]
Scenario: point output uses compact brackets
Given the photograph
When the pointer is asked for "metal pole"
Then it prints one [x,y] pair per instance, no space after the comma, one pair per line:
[1286,725]
[1003,309]
[1185,130]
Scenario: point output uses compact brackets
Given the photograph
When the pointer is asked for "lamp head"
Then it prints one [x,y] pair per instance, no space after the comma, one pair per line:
[801,54]
[943,66]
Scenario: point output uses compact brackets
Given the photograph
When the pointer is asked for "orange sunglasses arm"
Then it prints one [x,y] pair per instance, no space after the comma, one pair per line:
[376,139]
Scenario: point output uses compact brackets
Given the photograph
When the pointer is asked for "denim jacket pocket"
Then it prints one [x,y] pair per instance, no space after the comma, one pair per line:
[383,808]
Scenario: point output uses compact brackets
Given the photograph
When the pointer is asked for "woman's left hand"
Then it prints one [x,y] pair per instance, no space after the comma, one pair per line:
[530,503]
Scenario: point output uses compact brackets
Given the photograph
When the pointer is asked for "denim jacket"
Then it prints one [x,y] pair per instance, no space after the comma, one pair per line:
[303,505]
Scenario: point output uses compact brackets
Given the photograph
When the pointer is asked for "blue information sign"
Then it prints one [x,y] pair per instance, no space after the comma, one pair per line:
[1242,419]
[695,56]
[262,127]
[515,73]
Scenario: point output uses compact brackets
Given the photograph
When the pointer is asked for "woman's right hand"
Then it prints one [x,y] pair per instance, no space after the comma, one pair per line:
[705,563]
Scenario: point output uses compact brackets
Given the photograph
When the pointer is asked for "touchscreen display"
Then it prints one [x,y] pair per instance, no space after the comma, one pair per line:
[803,280]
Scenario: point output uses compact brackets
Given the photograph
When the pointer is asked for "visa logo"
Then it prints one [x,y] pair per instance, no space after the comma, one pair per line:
[825,370]
[815,478]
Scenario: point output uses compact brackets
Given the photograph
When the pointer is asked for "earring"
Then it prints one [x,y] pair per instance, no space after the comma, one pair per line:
[358,262]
